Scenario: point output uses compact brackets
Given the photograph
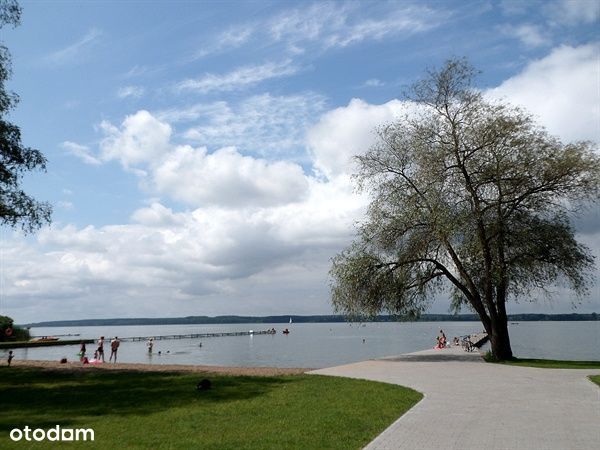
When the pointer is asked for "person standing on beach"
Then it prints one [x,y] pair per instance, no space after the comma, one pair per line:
[82,350]
[100,349]
[114,346]
[10,357]
[442,339]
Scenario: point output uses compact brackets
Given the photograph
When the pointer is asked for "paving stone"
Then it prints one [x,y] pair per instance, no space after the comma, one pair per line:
[470,404]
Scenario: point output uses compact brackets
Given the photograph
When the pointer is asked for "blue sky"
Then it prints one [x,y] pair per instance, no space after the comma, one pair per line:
[199,152]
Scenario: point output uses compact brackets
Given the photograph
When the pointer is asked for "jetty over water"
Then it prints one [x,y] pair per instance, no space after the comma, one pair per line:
[478,339]
[195,335]
[51,343]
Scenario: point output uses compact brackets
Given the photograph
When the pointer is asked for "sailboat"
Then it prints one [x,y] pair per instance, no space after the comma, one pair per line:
[290,320]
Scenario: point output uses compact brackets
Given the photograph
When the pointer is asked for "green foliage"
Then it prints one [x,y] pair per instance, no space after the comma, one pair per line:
[595,379]
[164,410]
[550,363]
[489,357]
[16,207]
[18,333]
[469,195]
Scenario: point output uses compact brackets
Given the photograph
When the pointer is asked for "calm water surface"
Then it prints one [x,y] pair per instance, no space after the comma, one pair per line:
[317,345]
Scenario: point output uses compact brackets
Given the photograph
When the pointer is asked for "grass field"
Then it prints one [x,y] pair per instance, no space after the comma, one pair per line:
[595,379]
[164,410]
[552,363]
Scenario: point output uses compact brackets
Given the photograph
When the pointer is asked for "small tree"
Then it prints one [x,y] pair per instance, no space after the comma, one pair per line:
[467,194]
[9,332]
[16,207]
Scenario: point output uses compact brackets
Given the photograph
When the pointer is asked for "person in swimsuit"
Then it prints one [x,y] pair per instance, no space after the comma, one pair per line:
[100,349]
[150,345]
[114,346]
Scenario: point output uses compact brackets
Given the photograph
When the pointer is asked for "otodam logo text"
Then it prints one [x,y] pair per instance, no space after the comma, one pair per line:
[53,434]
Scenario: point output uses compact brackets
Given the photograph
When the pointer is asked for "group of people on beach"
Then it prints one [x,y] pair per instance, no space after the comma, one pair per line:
[442,342]
[99,352]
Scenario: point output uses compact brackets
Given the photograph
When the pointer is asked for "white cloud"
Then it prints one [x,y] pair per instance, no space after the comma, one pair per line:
[257,227]
[307,24]
[193,262]
[404,22]
[130,91]
[238,78]
[193,175]
[74,51]
[157,215]
[340,25]
[264,124]
[530,35]
[347,131]
[374,82]
[513,7]
[561,90]
[140,139]
[66,205]
[231,38]
[573,12]
[82,152]
[227,178]
[320,26]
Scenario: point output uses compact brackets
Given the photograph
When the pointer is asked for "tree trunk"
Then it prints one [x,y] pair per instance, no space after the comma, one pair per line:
[500,340]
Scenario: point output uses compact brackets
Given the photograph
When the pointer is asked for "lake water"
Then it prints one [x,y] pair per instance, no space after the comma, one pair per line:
[316,345]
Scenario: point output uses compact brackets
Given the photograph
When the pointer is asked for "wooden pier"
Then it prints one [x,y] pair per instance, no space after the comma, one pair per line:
[23,344]
[194,335]
[479,339]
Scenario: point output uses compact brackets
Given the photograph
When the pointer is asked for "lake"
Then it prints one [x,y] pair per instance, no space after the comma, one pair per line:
[316,345]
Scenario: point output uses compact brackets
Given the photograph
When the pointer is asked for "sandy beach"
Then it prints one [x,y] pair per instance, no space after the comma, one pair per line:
[253,371]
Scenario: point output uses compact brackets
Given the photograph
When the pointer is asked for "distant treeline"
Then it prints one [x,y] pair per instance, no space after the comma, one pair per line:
[204,320]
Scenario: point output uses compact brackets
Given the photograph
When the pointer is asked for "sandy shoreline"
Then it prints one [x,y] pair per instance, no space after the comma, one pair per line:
[254,371]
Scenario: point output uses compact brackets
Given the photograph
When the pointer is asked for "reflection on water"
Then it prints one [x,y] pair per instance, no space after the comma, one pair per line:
[316,345]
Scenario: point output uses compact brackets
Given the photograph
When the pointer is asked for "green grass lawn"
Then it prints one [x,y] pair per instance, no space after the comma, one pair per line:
[552,363]
[595,379]
[164,410]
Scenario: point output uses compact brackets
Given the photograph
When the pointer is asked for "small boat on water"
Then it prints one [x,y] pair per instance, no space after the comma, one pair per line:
[44,339]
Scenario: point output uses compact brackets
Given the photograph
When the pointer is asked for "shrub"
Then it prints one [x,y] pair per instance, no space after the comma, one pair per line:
[18,333]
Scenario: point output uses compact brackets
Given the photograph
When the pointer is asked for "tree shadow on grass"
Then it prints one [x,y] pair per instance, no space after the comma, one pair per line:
[44,397]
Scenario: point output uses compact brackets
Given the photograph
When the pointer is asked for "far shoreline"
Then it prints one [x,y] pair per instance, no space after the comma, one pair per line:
[282,319]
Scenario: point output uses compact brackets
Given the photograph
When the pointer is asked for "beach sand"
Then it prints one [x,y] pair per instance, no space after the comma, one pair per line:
[77,366]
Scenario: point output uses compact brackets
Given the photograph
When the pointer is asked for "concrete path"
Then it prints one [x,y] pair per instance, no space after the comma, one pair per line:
[470,404]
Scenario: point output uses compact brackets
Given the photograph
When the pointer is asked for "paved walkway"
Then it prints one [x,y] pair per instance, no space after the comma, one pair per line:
[470,404]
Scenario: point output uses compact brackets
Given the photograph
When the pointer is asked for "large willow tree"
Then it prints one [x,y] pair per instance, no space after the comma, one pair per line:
[469,195]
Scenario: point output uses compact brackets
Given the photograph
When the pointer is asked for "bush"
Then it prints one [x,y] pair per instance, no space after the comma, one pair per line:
[489,357]
[18,334]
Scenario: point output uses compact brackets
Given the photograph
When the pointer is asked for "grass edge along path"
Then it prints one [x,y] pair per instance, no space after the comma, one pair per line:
[164,409]
[551,363]
[595,379]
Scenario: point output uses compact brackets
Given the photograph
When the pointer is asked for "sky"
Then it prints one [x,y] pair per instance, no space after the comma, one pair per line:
[200,153]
